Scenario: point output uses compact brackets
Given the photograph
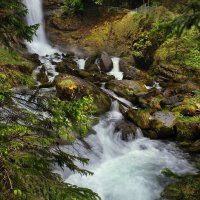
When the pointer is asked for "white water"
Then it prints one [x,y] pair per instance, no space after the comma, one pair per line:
[127,171]
[116,71]
[39,44]
[81,63]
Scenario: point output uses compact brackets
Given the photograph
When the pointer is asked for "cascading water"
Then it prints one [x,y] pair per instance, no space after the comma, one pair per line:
[116,71]
[127,170]
[122,170]
[40,44]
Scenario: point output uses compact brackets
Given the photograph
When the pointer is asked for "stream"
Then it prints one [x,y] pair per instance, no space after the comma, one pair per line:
[122,170]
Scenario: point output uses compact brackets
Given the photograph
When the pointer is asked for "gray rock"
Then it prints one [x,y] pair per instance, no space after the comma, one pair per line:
[166,118]
[105,62]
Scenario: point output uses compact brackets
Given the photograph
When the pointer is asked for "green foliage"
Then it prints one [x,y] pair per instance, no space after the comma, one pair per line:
[12,25]
[76,6]
[73,7]
[29,150]
[173,49]
[139,47]
[11,57]
[74,115]
[190,18]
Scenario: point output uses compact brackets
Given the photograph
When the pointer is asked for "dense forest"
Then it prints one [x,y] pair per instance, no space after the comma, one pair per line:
[99,99]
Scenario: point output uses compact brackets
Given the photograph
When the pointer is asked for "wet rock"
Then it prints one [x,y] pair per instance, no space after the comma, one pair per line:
[68,65]
[163,123]
[105,62]
[127,88]
[96,78]
[150,134]
[127,129]
[173,100]
[140,117]
[42,76]
[90,62]
[149,99]
[34,58]
[71,87]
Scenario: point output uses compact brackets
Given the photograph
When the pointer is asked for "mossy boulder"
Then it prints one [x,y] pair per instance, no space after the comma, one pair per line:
[131,72]
[41,76]
[188,129]
[90,62]
[128,89]
[163,123]
[140,117]
[95,77]
[187,188]
[71,87]
[68,65]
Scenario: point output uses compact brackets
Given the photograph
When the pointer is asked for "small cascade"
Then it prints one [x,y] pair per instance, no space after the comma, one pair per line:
[81,63]
[116,71]
[126,170]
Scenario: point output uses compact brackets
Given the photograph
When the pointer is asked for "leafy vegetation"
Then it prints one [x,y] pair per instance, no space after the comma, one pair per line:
[29,150]
[12,25]
[190,18]
[76,6]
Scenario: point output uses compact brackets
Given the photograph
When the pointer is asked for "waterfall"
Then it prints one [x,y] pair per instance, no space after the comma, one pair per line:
[39,44]
[116,71]
[122,170]
[35,15]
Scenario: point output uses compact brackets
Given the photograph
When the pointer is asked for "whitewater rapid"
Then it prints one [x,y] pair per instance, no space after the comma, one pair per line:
[126,170]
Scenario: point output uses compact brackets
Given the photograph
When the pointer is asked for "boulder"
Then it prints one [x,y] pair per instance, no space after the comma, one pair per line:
[68,65]
[34,58]
[128,89]
[70,87]
[172,100]
[163,123]
[188,130]
[105,62]
[127,129]
[41,76]
[90,62]
[140,117]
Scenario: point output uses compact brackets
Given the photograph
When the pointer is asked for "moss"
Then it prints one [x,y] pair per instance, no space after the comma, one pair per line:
[140,117]
[188,188]
[12,58]
[128,42]
[188,108]
[179,67]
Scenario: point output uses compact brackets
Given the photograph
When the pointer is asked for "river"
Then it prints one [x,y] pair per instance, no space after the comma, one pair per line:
[122,170]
